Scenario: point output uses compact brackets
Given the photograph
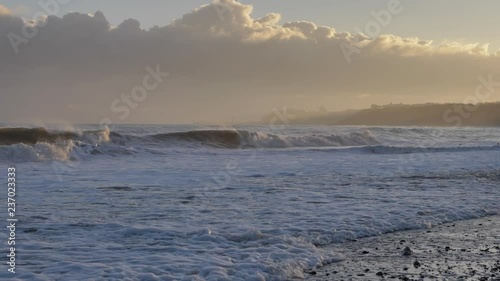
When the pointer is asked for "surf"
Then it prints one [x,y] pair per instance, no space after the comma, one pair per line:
[260,139]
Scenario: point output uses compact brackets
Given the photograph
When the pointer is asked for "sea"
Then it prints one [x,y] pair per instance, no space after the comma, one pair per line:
[189,202]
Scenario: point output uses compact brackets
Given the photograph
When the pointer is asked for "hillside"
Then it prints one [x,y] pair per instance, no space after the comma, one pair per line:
[487,114]
[442,115]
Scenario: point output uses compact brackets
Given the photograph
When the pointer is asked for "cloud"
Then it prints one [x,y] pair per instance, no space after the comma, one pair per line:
[4,10]
[220,57]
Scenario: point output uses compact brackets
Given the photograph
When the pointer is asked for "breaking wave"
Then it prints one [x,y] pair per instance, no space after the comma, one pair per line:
[247,139]
[31,136]
[40,144]
[9,136]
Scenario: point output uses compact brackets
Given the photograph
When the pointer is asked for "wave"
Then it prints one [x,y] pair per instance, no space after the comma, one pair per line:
[41,151]
[40,144]
[9,136]
[248,139]
[217,138]
[31,136]
[384,149]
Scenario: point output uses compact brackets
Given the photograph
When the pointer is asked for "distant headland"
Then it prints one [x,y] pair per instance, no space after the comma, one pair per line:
[429,114]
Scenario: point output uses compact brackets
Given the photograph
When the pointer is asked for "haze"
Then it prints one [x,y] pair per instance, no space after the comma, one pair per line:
[89,61]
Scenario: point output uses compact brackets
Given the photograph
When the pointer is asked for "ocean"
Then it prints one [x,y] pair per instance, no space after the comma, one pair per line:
[158,202]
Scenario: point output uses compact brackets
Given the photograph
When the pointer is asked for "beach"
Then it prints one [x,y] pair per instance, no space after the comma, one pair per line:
[462,250]
[179,202]
[230,140]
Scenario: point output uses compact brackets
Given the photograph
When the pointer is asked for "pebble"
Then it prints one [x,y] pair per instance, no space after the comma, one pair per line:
[407,251]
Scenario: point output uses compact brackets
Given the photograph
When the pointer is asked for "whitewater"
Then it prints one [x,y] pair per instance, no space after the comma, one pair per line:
[157,202]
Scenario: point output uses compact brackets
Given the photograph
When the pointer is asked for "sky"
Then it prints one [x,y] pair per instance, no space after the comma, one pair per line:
[452,20]
[238,60]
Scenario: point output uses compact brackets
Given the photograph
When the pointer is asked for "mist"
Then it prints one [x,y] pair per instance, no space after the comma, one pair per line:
[218,64]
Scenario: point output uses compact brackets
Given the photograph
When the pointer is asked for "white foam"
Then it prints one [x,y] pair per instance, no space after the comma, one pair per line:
[244,214]
[38,152]
[267,140]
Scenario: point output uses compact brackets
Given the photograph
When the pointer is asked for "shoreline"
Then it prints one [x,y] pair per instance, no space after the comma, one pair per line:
[461,250]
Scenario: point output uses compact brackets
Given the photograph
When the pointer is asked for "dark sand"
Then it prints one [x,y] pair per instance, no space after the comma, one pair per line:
[465,250]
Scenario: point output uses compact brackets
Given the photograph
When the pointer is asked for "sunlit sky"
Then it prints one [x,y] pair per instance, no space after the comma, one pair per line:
[258,56]
[442,21]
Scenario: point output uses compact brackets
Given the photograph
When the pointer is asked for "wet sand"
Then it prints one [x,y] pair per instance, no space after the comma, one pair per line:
[465,250]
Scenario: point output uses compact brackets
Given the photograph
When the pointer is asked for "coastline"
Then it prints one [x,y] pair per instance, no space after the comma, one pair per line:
[462,250]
